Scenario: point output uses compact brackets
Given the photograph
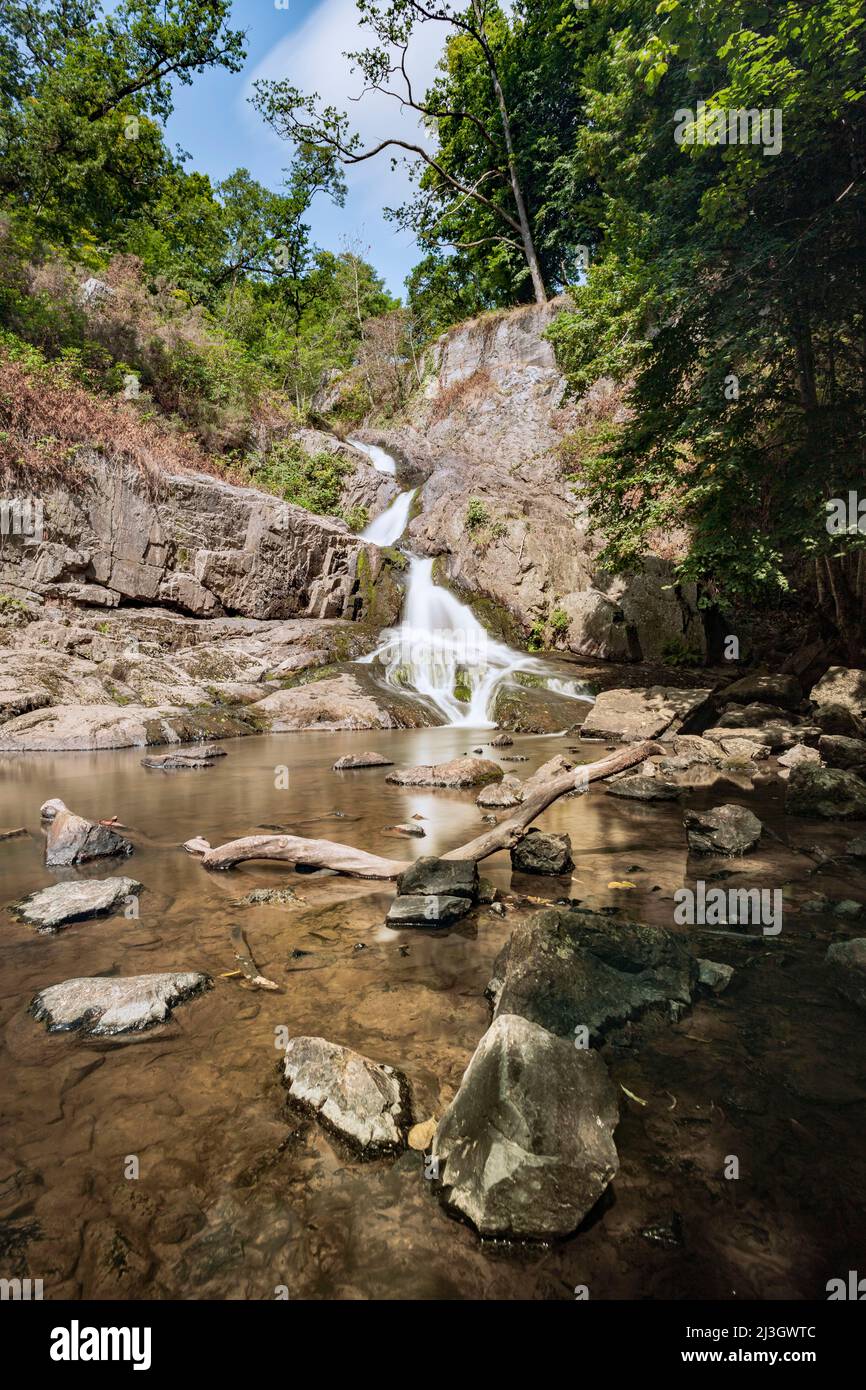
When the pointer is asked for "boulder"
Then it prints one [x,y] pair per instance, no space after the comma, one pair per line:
[726,830]
[771,690]
[801,753]
[841,719]
[353,760]
[583,969]
[839,751]
[502,741]
[105,1005]
[62,903]
[417,832]
[542,852]
[846,965]
[501,795]
[828,792]
[842,685]
[432,910]
[459,772]
[640,788]
[526,1147]
[633,715]
[70,839]
[364,1103]
[456,878]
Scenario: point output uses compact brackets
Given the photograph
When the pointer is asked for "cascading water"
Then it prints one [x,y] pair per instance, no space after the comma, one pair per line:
[440,650]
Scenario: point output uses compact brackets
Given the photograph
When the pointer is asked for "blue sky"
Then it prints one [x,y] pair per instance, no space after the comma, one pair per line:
[214,122]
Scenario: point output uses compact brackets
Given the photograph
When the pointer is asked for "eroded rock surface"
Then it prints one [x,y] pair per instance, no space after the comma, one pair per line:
[633,715]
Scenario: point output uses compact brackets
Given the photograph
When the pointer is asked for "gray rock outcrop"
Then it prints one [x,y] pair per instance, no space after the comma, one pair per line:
[728,830]
[542,852]
[71,839]
[826,792]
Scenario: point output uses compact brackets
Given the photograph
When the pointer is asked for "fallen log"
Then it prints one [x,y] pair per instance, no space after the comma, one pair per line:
[244,957]
[357,863]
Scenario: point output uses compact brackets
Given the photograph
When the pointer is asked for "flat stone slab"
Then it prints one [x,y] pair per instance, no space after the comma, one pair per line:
[106,1005]
[91,728]
[185,759]
[365,1103]
[526,1146]
[633,715]
[52,908]
[430,910]
[459,772]
[352,760]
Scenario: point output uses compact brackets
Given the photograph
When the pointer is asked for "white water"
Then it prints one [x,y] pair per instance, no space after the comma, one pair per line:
[440,648]
[388,527]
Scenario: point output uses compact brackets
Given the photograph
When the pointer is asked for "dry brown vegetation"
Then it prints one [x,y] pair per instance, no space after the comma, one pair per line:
[49,424]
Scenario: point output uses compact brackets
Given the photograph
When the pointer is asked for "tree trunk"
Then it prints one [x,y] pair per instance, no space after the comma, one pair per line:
[357,863]
[519,202]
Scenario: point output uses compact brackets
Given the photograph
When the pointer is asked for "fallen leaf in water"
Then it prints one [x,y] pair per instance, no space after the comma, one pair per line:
[624,883]
[631,1095]
[229,974]
[420,1135]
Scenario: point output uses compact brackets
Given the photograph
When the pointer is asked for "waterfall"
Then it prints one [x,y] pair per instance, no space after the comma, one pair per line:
[440,650]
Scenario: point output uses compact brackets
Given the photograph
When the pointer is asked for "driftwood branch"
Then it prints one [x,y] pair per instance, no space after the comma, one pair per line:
[344,859]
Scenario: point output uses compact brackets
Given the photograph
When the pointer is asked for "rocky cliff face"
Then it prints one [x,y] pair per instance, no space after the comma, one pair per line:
[499,511]
[198,544]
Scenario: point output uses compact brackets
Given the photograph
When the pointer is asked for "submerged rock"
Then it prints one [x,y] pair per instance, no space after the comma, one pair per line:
[364,1103]
[632,715]
[714,976]
[191,759]
[828,792]
[542,852]
[62,903]
[645,789]
[104,1005]
[70,839]
[846,963]
[353,760]
[583,969]
[526,1146]
[407,828]
[459,772]
[727,830]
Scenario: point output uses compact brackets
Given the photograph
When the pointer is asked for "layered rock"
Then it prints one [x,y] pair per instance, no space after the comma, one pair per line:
[198,543]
